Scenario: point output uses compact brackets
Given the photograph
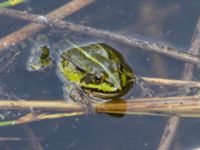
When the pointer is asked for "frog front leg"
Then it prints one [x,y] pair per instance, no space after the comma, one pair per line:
[145,87]
[75,94]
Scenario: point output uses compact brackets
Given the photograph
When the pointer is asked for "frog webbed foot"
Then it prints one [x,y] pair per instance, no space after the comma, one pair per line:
[39,59]
[75,94]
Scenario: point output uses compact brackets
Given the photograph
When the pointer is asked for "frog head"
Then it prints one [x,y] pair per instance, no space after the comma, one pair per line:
[98,69]
[107,84]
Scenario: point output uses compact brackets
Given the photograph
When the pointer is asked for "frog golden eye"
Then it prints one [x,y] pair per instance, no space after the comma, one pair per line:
[98,78]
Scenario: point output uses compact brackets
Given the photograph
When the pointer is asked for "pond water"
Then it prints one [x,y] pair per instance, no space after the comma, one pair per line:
[171,22]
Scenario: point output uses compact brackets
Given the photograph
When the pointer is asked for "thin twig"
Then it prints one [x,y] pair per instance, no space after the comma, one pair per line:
[171,82]
[145,45]
[194,49]
[34,28]
[173,123]
[180,105]
[34,143]
[188,106]
[3,139]
[169,133]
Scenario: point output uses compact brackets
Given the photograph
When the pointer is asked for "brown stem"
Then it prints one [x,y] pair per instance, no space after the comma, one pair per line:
[173,123]
[34,28]
[182,106]
[34,142]
[145,45]
[171,82]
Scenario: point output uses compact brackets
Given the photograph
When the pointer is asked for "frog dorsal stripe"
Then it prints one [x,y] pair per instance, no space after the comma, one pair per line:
[99,63]
[74,62]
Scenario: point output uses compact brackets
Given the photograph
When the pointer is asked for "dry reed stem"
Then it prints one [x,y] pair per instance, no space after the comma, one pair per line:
[34,28]
[162,52]
[180,105]
[171,82]
[145,45]
[174,121]
[8,139]
[34,142]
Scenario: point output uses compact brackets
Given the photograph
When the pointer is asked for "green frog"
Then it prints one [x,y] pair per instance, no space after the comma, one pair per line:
[93,73]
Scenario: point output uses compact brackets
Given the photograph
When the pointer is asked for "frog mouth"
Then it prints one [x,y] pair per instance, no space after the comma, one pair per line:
[104,95]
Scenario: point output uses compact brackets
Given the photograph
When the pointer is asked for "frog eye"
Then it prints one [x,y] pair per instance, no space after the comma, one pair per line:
[98,78]
[93,78]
